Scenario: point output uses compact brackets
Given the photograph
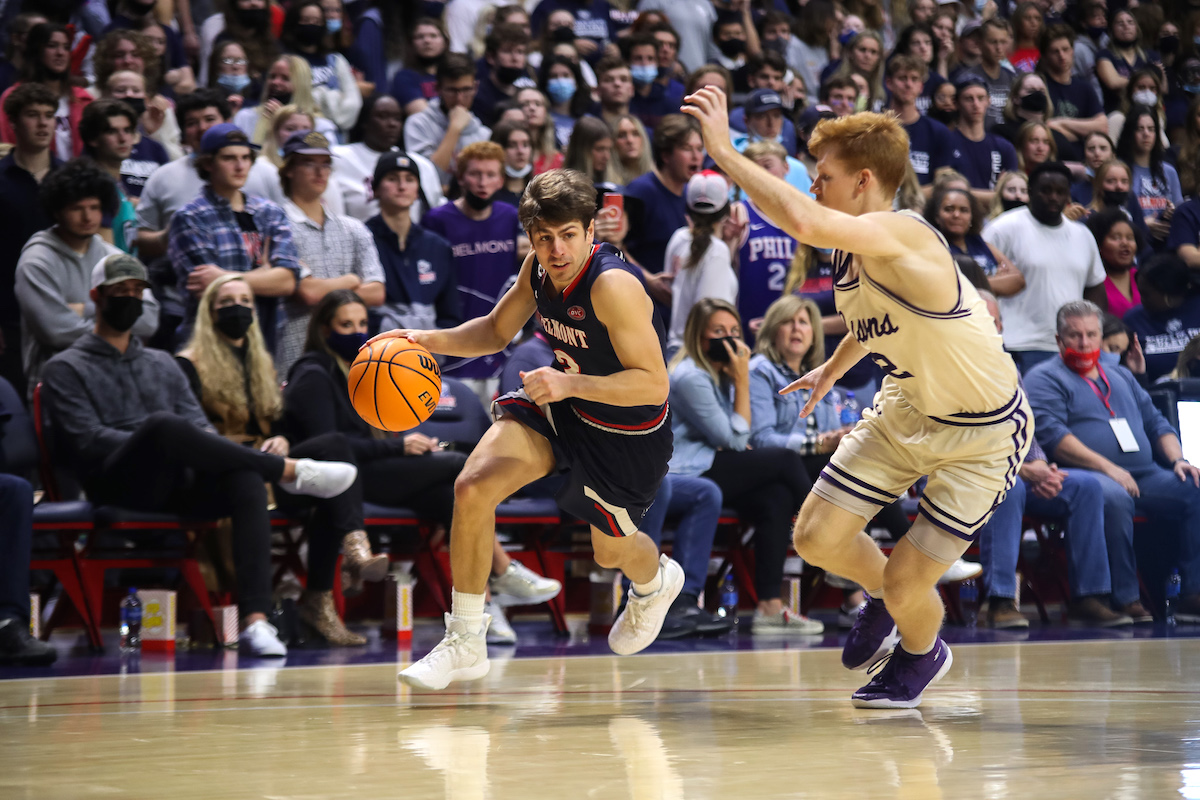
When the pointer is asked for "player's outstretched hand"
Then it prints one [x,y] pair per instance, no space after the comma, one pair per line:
[546,385]
[709,108]
[818,382]
[417,337]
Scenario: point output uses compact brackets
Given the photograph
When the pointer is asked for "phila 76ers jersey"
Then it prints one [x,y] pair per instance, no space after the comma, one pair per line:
[581,343]
[763,262]
[945,363]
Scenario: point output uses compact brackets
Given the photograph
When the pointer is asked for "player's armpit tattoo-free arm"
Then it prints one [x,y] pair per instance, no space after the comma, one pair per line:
[627,312]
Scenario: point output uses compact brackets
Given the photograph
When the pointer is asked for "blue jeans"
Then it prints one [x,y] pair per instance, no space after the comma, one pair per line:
[16,538]
[699,501]
[1080,503]
[1163,497]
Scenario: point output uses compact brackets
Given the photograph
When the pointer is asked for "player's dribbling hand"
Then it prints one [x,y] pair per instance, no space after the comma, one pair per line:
[417,337]
[545,385]
[818,382]
[708,107]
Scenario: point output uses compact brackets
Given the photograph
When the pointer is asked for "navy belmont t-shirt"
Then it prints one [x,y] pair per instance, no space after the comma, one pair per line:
[929,148]
[1075,100]
[982,162]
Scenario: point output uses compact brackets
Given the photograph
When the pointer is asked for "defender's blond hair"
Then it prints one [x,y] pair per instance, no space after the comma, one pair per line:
[867,140]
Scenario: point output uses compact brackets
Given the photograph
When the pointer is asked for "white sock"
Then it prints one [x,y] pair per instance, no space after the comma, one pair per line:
[468,608]
[923,652]
[649,587]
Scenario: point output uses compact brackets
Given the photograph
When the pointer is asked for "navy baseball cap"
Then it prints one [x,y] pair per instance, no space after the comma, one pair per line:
[225,135]
[814,114]
[395,161]
[969,80]
[761,100]
[306,143]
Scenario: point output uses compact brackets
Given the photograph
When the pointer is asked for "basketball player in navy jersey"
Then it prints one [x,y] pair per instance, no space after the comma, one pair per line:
[599,416]
[950,406]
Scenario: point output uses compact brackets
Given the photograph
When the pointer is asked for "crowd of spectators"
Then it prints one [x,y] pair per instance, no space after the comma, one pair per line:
[277,179]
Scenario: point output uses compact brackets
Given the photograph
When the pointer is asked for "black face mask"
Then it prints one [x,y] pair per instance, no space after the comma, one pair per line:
[732,48]
[138,104]
[284,98]
[944,117]
[563,35]
[478,203]
[1034,103]
[310,35]
[716,349]
[346,345]
[1008,204]
[508,75]
[1168,45]
[1114,198]
[1096,33]
[254,19]
[120,313]
[425,62]
[234,321]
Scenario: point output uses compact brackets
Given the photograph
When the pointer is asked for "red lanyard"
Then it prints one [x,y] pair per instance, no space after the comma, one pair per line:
[1103,397]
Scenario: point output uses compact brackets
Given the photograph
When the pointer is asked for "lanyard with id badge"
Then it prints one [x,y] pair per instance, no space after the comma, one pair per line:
[1119,425]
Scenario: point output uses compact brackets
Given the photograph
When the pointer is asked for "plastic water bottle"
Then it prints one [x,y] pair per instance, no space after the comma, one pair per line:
[1174,584]
[131,623]
[849,413]
[968,601]
[729,599]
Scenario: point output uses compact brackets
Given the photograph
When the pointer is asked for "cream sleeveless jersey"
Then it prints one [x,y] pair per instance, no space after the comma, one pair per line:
[944,363]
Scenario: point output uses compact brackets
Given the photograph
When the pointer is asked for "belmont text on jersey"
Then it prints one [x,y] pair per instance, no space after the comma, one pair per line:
[565,333]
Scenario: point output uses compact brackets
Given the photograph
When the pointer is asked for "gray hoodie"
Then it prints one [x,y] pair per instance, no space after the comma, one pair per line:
[50,278]
[97,396]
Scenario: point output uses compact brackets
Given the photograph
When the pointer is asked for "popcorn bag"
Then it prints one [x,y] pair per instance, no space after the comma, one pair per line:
[793,589]
[225,620]
[398,611]
[158,620]
[35,615]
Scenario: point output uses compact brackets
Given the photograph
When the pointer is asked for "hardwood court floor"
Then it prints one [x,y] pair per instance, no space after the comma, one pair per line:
[1064,720]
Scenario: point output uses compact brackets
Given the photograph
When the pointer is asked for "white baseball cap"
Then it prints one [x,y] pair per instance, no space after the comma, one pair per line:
[707,192]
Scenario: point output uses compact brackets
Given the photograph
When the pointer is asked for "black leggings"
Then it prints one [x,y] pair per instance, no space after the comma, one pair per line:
[170,465]
[767,487]
[423,483]
[330,520]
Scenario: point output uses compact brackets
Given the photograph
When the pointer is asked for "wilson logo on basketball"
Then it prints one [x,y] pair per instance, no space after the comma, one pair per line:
[429,364]
[576,313]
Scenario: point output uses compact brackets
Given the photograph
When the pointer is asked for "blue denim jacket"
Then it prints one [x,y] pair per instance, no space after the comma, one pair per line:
[774,418]
[702,419]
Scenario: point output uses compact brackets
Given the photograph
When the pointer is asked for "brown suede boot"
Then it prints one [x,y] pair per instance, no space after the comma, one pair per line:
[1003,614]
[1138,613]
[359,564]
[1093,612]
[317,610]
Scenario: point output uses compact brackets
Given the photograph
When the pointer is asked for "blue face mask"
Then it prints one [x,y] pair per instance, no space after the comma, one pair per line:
[561,90]
[1196,39]
[333,25]
[644,73]
[234,83]
[346,345]
[1192,88]
[979,5]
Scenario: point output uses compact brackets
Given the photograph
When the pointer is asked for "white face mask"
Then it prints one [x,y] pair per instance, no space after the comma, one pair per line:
[1145,97]
[517,173]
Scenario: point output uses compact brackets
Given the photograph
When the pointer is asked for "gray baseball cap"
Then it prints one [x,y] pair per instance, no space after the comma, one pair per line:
[118,268]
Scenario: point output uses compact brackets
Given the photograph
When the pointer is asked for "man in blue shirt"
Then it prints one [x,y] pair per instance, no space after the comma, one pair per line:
[980,156]
[652,100]
[929,142]
[1168,317]
[1097,419]
[764,121]
[224,230]
[422,285]
[654,202]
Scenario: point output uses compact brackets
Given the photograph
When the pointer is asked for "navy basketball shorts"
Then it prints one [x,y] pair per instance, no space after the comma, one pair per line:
[611,478]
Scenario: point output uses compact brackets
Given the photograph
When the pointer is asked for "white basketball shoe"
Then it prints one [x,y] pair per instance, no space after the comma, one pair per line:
[461,655]
[642,619]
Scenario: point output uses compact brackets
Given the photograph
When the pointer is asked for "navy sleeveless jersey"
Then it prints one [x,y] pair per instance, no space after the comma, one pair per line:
[763,263]
[581,344]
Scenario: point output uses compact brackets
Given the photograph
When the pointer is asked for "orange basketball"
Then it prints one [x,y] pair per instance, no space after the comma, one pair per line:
[395,384]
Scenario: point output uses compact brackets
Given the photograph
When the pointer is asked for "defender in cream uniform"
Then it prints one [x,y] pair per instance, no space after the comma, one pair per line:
[950,406]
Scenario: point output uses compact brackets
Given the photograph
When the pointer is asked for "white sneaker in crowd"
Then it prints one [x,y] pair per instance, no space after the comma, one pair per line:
[261,640]
[322,479]
[520,586]
[785,623]
[499,631]
[643,617]
[960,571]
[461,655]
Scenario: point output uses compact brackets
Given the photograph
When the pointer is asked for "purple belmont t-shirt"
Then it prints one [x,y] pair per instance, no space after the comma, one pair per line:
[485,257]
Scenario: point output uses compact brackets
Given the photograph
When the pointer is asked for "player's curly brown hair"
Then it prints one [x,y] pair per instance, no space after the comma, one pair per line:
[558,197]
